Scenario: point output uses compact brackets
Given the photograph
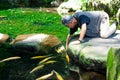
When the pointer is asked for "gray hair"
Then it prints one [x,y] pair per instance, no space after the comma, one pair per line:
[66,19]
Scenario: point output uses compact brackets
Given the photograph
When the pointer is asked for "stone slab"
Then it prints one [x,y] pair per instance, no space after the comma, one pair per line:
[93,49]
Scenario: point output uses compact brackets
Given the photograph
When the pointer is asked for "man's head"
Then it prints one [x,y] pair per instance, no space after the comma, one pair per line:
[69,21]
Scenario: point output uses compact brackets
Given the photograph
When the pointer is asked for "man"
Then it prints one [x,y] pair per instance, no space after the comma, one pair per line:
[91,23]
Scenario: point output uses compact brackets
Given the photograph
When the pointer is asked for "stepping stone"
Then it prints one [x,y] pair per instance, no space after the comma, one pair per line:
[92,53]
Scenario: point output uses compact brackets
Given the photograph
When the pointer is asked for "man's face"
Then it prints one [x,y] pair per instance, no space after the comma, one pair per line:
[72,23]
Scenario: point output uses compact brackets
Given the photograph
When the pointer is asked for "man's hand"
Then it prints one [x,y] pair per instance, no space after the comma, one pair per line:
[67,41]
[76,42]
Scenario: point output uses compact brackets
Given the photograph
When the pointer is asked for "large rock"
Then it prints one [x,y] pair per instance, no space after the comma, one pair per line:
[92,53]
[66,7]
[37,43]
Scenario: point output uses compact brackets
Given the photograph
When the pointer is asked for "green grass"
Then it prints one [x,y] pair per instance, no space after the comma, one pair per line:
[29,21]
[26,21]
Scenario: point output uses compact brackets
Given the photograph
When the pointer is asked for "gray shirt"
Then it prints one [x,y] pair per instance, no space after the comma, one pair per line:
[93,21]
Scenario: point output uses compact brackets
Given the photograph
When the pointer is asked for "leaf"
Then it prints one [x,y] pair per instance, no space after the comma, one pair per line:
[58,75]
[44,60]
[45,76]
[36,68]
[67,58]
[37,57]
[50,62]
[10,58]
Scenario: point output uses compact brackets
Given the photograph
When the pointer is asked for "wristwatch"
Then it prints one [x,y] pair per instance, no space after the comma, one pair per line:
[80,41]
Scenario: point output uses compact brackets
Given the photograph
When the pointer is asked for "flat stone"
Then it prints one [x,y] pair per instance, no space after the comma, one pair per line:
[92,53]
[36,43]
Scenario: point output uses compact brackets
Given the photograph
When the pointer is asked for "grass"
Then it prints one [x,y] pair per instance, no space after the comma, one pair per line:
[26,21]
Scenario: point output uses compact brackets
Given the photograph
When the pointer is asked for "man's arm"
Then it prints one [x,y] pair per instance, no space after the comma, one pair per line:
[81,36]
[67,40]
[83,31]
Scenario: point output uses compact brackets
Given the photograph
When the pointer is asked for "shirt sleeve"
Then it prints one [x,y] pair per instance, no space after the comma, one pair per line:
[84,19]
[73,30]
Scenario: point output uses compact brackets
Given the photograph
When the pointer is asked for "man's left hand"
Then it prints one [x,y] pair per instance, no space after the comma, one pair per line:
[75,42]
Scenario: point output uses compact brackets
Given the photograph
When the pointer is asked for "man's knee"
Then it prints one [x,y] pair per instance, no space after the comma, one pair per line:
[104,36]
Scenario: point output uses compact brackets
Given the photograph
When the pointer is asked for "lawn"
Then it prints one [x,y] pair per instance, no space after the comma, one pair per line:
[26,21]
[29,21]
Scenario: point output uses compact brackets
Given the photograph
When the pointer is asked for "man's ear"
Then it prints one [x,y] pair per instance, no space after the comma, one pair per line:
[74,20]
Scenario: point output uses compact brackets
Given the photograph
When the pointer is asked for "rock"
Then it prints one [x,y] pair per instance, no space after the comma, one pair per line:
[92,76]
[56,3]
[37,43]
[3,37]
[65,7]
[92,53]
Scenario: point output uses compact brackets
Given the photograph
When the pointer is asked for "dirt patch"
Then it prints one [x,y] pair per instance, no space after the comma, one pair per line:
[49,9]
